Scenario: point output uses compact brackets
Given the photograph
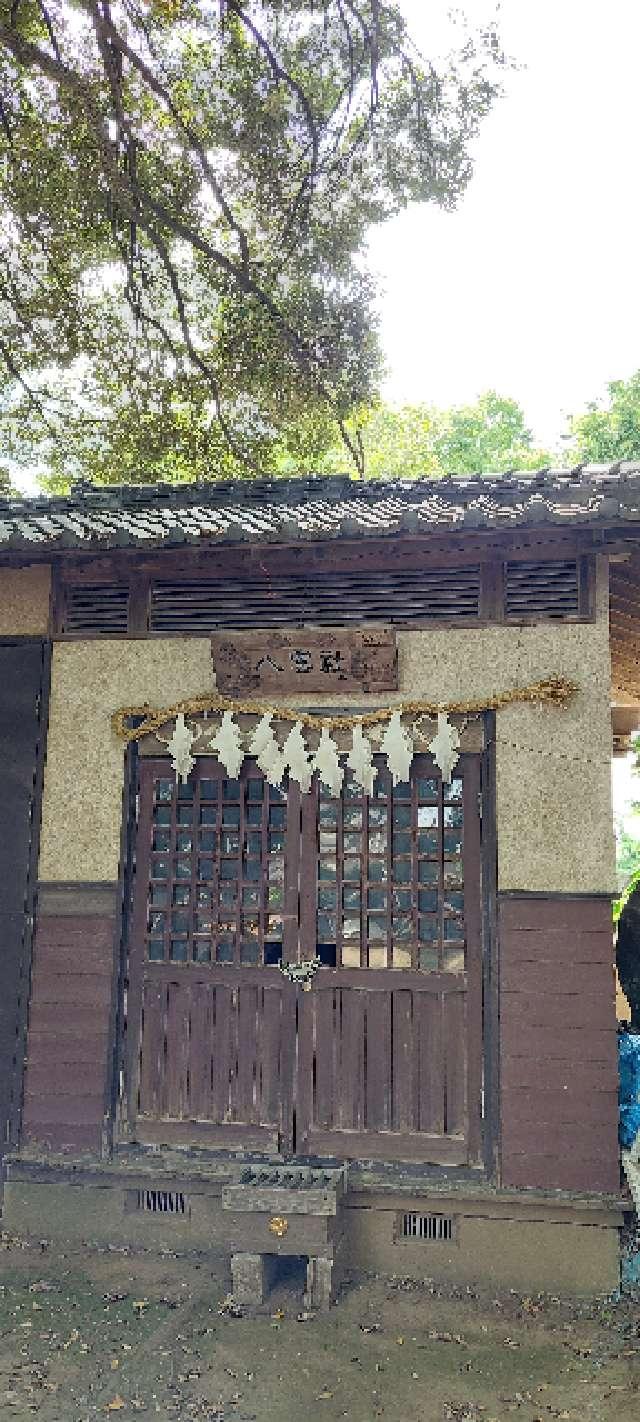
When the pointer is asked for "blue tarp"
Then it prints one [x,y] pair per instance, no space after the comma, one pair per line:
[629,1072]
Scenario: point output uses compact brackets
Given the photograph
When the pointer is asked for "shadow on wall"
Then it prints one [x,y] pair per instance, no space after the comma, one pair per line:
[628,957]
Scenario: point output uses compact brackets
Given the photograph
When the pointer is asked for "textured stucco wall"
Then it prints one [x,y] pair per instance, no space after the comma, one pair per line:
[24,601]
[553,767]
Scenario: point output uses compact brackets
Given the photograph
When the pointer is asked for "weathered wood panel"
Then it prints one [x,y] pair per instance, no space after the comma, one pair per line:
[382,1069]
[23,688]
[291,663]
[67,1078]
[558,1044]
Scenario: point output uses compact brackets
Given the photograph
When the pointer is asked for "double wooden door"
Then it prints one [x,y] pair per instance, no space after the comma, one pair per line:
[379,1053]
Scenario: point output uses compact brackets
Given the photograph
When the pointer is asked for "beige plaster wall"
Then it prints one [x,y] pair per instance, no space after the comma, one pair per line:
[24,601]
[553,767]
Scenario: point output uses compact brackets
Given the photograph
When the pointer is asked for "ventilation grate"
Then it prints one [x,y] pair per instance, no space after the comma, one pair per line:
[97,608]
[161,1202]
[329,599]
[432,1229]
[542,589]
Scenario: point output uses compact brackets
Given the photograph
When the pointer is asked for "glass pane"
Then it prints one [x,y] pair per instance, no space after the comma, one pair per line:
[202,950]
[255,789]
[428,842]
[428,900]
[453,873]
[377,898]
[351,869]
[326,898]
[275,897]
[253,843]
[208,815]
[185,814]
[205,868]
[328,813]
[229,869]
[376,929]
[453,960]
[402,816]
[401,956]
[203,898]
[377,816]
[156,922]
[351,926]
[427,789]
[401,899]
[377,957]
[252,870]
[327,869]
[401,871]
[208,789]
[352,843]
[327,841]
[178,950]
[159,868]
[454,790]
[402,843]
[276,843]
[180,922]
[402,791]
[162,815]
[155,950]
[207,840]
[428,930]
[326,928]
[204,923]
[249,952]
[227,896]
[164,789]
[452,842]
[249,927]
[231,816]
[277,817]
[159,894]
[224,950]
[402,927]
[382,786]
[454,902]
[428,959]
[453,928]
[377,871]
[226,928]
[427,816]
[352,818]
[428,873]
[275,793]
[253,815]
[184,842]
[251,898]
[162,839]
[351,898]
[181,894]
[186,790]
[351,955]
[378,841]
[453,815]
[231,789]
[352,791]
[274,927]
[276,871]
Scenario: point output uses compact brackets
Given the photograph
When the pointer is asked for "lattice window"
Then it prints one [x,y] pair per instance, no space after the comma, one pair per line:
[390,874]
[432,1229]
[216,869]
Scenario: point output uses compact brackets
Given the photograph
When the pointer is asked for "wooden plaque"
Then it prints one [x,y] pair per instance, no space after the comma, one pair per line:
[289,663]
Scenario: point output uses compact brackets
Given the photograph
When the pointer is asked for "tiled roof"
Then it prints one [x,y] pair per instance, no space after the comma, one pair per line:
[284,511]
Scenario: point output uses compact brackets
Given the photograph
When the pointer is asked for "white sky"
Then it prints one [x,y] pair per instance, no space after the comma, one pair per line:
[531,286]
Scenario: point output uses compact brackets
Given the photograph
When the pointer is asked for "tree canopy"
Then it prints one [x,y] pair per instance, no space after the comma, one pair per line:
[611,432]
[186,187]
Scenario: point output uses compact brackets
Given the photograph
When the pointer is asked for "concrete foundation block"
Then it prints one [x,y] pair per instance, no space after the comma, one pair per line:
[251,1278]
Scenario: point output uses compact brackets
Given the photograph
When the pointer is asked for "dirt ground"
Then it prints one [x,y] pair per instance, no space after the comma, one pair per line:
[89,1334]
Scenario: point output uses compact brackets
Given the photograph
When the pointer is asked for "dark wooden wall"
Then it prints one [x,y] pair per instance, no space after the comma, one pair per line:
[68,1083]
[24,672]
[558,1046]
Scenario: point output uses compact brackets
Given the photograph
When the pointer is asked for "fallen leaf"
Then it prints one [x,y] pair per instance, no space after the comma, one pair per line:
[323,1396]
[116,1404]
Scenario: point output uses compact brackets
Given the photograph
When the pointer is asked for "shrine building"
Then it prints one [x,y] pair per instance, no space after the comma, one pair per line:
[307,861]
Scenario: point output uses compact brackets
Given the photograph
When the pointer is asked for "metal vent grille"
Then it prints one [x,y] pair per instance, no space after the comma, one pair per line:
[97,608]
[161,1202]
[433,1229]
[329,599]
[542,589]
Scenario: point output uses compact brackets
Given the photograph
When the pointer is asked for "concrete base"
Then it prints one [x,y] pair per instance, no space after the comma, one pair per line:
[522,1240]
[251,1278]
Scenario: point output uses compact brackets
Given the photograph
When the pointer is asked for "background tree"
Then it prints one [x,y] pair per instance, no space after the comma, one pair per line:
[609,432]
[186,188]
[421,441]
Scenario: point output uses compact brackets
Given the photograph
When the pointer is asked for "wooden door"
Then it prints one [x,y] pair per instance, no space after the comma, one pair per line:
[381,1057]
[23,673]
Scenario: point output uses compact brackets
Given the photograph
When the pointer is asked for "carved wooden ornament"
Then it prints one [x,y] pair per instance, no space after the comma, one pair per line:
[286,663]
